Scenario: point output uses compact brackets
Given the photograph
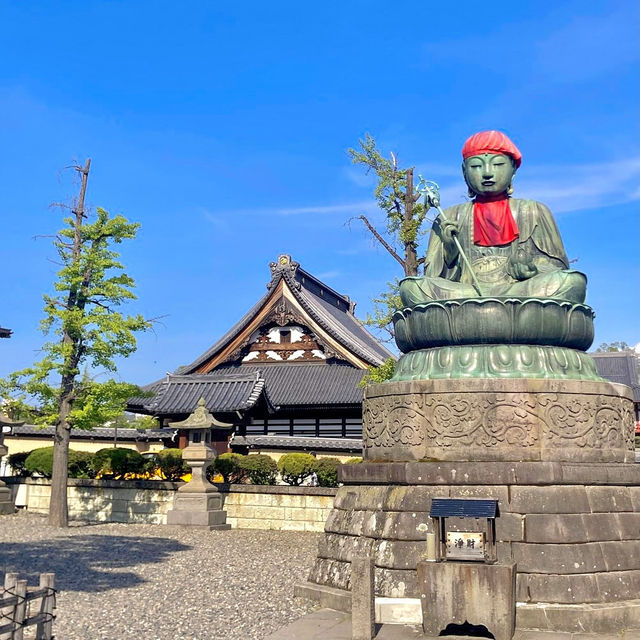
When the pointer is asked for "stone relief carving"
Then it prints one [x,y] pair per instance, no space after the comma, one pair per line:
[495,420]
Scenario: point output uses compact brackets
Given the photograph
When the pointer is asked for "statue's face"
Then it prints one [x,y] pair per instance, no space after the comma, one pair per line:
[489,174]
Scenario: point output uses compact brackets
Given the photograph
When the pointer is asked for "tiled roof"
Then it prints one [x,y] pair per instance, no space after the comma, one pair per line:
[620,367]
[236,391]
[332,311]
[100,433]
[5,333]
[297,384]
[347,445]
[344,327]
[236,388]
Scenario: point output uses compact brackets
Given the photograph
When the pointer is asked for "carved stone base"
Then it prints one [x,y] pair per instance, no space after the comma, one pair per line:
[198,510]
[573,531]
[498,419]
[496,361]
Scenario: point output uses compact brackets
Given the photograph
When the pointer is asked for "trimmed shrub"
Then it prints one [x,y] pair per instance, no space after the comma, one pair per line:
[40,461]
[327,472]
[260,469]
[295,468]
[80,464]
[353,461]
[116,462]
[229,466]
[170,464]
[16,462]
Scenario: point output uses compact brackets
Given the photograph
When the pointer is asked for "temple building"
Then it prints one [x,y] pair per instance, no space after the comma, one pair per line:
[286,374]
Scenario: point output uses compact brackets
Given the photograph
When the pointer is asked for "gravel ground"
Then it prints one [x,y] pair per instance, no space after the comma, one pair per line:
[153,582]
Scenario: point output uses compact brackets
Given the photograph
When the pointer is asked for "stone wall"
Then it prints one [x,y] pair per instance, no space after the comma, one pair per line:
[134,501]
[280,508]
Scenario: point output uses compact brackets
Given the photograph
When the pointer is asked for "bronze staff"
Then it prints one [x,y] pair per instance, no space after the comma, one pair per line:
[431,193]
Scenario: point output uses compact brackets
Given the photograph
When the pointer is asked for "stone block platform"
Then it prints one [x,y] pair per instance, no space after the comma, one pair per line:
[573,531]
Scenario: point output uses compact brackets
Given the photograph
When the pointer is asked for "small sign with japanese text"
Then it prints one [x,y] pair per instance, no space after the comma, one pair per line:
[465,545]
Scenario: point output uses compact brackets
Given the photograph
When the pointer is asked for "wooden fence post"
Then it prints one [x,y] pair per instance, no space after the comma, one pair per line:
[8,613]
[17,604]
[20,610]
[44,629]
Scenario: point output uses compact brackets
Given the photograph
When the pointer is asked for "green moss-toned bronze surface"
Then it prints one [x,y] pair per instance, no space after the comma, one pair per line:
[507,321]
[499,270]
[496,361]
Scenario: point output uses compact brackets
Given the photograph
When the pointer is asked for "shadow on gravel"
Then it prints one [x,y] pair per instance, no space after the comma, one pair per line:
[87,562]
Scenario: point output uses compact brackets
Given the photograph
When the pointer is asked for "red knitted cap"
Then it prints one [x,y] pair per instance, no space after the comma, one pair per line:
[491,142]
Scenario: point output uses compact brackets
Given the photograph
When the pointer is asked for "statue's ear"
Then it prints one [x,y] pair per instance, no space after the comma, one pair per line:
[470,192]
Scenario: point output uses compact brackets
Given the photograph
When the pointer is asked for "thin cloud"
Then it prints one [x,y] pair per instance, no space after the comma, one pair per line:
[562,188]
[349,207]
[328,275]
[431,171]
[359,176]
[565,54]
[217,221]
[580,187]
[567,48]
[220,218]
[565,188]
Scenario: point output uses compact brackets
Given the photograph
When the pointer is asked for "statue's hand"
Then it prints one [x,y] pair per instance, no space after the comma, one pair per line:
[448,230]
[521,270]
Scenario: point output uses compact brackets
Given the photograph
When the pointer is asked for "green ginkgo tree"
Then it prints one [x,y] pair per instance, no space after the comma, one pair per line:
[87,331]
[406,219]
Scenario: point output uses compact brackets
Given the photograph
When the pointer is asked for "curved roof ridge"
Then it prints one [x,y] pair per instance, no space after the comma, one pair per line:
[355,339]
[227,337]
[340,332]
[342,296]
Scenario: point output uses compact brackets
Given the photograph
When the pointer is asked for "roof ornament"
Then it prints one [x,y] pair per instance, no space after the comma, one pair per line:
[283,267]
[283,314]
[201,418]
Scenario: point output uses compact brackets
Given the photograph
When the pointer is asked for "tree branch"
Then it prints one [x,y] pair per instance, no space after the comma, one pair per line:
[381,240]
[99,304]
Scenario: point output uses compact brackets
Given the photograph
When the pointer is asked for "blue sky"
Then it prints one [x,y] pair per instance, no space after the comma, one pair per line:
[223,130]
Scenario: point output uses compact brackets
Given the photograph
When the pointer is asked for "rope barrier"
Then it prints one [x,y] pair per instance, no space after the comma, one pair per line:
[9,607]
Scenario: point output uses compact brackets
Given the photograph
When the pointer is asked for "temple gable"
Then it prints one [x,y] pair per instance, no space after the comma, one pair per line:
[288,370]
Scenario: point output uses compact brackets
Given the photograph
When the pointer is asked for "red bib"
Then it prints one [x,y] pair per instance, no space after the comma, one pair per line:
[493,223]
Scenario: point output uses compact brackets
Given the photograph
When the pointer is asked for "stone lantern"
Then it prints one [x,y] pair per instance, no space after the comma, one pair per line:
[198,503]
[6,503]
